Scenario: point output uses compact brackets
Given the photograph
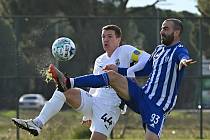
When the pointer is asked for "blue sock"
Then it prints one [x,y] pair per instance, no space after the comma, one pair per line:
[91,80]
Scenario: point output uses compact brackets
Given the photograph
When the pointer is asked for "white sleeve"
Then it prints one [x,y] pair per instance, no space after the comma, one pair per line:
[142,60]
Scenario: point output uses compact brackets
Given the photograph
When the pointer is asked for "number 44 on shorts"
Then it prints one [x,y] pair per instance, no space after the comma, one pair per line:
[107,120]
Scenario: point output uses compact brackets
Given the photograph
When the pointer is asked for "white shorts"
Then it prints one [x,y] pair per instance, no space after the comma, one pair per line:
[103,117]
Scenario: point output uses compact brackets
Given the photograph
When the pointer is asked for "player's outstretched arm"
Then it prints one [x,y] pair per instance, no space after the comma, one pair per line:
[186,62]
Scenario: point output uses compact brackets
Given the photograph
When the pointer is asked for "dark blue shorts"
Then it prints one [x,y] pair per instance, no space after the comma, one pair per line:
[139,102]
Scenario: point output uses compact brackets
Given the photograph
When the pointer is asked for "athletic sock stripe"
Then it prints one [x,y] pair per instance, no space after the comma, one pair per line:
[106,78]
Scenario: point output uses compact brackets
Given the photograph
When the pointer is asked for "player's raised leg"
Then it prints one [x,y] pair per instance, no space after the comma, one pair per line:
[74,97]
[58,77]
[28,125]
[119,83]
[110,78]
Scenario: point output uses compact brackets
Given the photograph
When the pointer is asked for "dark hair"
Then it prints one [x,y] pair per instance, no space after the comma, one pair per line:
[177,24]
[115,28]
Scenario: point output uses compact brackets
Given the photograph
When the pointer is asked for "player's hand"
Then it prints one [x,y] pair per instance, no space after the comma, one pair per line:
[186,62]
[110,67]
[86,123]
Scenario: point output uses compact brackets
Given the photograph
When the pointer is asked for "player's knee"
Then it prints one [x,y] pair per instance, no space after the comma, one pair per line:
[73,96]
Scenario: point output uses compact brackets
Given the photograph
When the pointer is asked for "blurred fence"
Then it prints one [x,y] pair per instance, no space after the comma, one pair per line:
[26,49]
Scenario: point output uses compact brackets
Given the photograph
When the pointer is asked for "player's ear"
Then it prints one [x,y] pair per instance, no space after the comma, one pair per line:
[119,39]
[177,33]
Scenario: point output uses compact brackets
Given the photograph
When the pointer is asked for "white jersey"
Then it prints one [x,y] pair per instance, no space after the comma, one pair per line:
[123,57]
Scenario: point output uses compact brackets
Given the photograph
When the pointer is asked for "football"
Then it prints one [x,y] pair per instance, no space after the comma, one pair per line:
[63,49]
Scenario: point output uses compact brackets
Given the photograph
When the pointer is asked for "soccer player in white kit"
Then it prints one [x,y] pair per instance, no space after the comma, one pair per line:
[100,105]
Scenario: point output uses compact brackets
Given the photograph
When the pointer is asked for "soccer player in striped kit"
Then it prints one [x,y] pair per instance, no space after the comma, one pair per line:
[158,96]
[154,100]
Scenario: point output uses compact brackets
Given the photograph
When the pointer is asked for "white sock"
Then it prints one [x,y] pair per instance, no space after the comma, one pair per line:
[52,107]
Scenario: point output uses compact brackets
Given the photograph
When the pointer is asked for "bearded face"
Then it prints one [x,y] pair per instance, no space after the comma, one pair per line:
[167,39]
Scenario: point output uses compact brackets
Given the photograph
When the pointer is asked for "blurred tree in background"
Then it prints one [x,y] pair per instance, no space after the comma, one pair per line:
[204,7]
[29,27]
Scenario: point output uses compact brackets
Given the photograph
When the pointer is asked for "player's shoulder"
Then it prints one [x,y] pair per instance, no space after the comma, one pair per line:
[100,57]
[126,46]
[180,49]
[180,46]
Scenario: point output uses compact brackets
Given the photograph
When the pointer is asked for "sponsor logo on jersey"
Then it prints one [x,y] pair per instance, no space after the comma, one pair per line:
[117,62]
[166,59]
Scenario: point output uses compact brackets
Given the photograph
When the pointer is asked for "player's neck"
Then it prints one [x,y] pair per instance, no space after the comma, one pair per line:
[109,54]
[173,43]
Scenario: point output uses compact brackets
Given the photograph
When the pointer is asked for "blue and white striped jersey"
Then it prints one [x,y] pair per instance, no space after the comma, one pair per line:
[164,75]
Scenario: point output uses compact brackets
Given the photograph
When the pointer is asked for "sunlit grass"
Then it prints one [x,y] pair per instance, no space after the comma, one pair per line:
[8,114]
[66,126]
